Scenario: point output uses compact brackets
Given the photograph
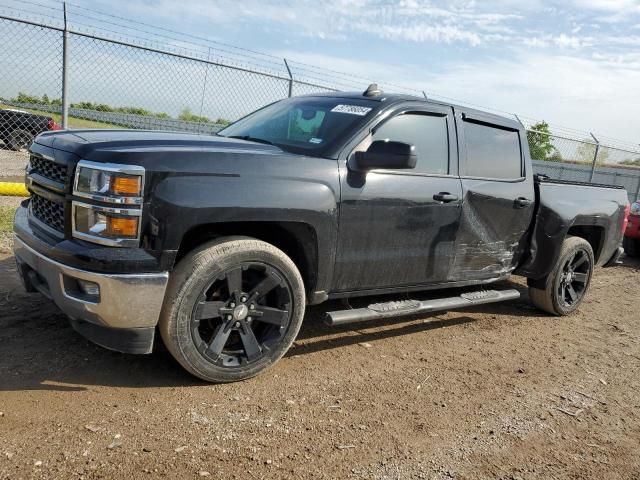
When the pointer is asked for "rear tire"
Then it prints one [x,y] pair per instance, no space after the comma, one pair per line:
[568,282]
[19,140]
[631,247]
[233,308]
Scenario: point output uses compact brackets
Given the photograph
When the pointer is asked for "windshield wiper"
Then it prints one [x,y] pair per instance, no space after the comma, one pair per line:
[250,139]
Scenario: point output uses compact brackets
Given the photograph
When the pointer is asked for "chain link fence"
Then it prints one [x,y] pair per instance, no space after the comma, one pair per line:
[31,58]
[79,69]
[586,160]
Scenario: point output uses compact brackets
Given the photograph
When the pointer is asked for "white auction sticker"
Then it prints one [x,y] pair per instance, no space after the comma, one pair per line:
[351,110]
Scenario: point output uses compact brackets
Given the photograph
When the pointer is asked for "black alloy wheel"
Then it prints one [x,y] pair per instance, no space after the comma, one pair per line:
[574,278]
[242,314]
[232,308]
[562,291]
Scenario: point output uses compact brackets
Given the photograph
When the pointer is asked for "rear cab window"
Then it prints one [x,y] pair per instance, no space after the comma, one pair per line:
[493,151]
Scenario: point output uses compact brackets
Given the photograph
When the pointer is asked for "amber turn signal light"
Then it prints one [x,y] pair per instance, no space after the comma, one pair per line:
[122,227]
[125,185]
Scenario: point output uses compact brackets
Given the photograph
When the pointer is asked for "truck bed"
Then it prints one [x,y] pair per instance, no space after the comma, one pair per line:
[564,208]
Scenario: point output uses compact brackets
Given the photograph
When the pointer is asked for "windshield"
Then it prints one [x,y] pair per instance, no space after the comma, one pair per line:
[307,125]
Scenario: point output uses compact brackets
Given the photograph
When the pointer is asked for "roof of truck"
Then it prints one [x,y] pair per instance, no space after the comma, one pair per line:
[391,98]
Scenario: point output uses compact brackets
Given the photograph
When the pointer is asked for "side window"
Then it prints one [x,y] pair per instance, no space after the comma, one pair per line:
[492,152]
[429,135]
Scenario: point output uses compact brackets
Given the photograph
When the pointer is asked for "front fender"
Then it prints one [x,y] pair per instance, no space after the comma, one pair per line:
[182,203]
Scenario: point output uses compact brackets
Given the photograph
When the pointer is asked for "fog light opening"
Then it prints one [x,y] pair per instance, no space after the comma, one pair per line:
[89,288]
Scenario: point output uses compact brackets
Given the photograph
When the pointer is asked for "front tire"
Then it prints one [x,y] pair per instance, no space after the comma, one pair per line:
[233,308]
[568,282]
[631,247]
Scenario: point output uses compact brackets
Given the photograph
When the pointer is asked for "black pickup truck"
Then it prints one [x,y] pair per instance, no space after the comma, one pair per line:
[220,242]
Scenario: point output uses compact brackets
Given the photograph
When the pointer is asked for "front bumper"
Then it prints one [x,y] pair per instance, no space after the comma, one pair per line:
[122,316]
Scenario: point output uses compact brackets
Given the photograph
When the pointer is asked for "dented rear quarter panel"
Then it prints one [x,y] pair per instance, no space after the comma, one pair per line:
[563,206]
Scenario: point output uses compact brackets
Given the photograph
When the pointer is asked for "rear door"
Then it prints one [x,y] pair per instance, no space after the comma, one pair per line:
[499,197]
[394,231]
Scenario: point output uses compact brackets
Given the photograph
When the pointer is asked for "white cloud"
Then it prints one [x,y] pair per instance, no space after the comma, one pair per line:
[566,41]
[423,33]
[536,42]
[420,21]
[562,60]
[631,6]
[595,94]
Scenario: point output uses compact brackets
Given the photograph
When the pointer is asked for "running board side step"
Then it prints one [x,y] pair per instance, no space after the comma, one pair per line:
[411,307]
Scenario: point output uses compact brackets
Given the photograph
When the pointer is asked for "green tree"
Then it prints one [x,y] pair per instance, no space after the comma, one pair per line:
[540,146]
[102,107]
[634,163]
[25,98]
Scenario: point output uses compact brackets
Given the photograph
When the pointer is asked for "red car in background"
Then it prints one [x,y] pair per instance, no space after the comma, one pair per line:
[631,242]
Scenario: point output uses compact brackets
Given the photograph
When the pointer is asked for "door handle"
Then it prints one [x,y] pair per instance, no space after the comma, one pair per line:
[445,197]
[521,202]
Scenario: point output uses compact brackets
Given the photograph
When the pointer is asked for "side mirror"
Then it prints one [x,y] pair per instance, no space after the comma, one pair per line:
[386,155]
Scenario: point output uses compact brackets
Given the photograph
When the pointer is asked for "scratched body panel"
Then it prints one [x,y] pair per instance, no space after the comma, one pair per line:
[491,240]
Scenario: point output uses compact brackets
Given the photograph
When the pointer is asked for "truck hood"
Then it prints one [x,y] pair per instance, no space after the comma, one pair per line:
[84,143]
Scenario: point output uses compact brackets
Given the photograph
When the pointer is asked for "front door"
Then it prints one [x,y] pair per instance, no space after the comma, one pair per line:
[398,227]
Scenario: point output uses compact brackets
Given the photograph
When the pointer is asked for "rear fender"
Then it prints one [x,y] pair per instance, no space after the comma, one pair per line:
[553,224]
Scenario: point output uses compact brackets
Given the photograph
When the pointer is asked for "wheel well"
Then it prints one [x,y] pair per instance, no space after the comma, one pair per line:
[297,240]
[592,234]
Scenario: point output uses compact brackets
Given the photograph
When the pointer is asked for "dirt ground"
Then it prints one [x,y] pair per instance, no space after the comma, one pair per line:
[501,392]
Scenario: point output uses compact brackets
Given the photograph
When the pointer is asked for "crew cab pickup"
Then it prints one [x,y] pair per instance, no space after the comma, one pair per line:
[220,242]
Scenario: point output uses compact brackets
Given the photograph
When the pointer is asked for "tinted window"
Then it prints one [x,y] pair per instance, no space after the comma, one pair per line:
[492,152]
[427,133]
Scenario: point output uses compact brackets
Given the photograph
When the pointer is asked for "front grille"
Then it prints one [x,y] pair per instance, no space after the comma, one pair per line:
[48,169]
[48,212]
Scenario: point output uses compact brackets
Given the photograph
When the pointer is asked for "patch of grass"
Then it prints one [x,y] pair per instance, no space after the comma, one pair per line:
[73,122]
[6,219]
[6,227]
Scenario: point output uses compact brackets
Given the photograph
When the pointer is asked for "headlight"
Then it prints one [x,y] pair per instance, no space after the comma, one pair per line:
[635,209]
[109,183]
[107,226]
[121,185]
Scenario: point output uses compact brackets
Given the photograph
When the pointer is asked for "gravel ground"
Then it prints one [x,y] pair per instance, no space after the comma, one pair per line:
[10,201]
[6,241]
[501,392]
[7,205]
[12,164]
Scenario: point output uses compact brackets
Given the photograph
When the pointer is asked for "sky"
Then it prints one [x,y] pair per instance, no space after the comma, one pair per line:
[574,63]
